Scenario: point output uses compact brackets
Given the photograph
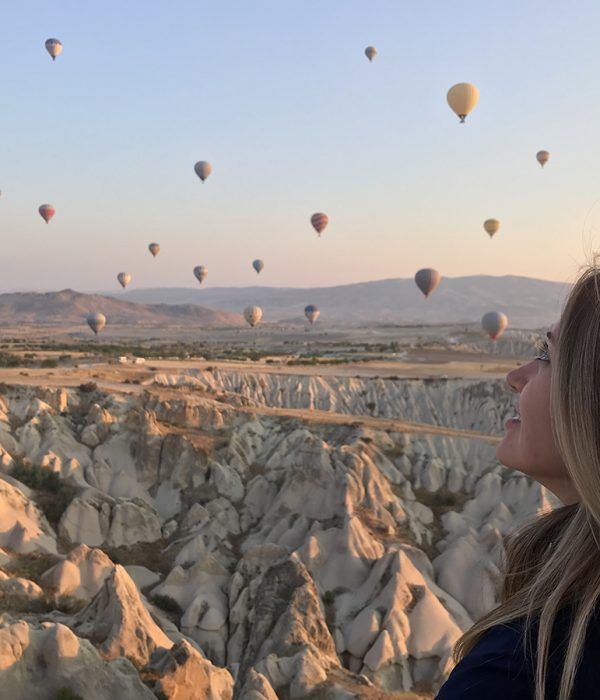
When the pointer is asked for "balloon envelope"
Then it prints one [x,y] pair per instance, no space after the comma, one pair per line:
[370,52]
[203,169]
[491,226]
[494,323]
[427,280]
[47,211]
[258,265]
[96,322]
[253,314]
[154,248]
[319,221]
[200,273]
[542,157]
[311,312]
[124,279]
[462,99]
[53,47]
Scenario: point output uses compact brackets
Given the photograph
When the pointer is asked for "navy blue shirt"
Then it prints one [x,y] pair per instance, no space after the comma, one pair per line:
[497,667]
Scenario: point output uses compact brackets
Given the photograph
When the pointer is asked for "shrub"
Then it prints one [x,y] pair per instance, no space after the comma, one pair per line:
[49,362]
[53,494]
[88,387]
[66,694]
[371,406]
[328,597]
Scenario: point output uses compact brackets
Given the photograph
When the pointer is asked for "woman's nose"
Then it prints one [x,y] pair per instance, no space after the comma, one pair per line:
[518,377]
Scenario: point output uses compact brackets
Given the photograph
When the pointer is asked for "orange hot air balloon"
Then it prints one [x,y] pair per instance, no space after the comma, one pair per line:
[319,221]
[47,211]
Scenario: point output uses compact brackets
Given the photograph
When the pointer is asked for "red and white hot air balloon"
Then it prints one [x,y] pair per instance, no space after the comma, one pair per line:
[47,211]
[319,221]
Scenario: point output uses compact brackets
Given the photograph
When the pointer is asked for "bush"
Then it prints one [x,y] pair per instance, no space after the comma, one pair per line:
[88,387]
[66,694]
[371,406]
[54,495]
[49,363]
[328,597]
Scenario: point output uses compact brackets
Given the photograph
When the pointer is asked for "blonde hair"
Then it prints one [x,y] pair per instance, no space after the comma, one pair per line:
[553,561]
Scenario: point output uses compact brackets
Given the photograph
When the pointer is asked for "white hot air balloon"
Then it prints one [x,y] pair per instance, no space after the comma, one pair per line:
[124,279]
[96,322]
[253,314]
[203,169]
[54,47]
[200,273]
[462,99]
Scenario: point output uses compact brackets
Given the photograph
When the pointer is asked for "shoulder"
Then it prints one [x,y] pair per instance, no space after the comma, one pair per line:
[494,669]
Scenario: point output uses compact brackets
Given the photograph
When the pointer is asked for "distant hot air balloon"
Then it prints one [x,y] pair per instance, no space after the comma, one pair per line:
[253,314]
[200,273]
[203,169]
[47,211]
[96,322]
[462,99]
[427,280]
[312,313]
[370,52]
[491,226]
[542,157]
[124,279]
[319,221]
[154,248]
[494,323]
[258,265]
[53,47]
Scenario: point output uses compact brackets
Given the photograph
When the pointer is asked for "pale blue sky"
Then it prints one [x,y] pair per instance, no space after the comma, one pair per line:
[280,98]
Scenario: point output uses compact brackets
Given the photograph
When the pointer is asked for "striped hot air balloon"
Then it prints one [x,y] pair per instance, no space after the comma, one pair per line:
[427,280]
[46,211]
[319,221]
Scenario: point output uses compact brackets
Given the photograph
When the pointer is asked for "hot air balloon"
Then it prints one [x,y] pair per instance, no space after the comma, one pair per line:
[258,265]
[96,322]
[494,324]
[319,221]
[312,313]
[47,211]
[542,157]
[370,52]
[203,169]
[462,99]
[124,279]
[491,226]
[427,280]
[253,314]
[200,272]
[53,47]
[154,248]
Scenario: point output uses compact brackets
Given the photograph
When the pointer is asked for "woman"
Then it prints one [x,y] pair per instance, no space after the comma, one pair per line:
[543,641]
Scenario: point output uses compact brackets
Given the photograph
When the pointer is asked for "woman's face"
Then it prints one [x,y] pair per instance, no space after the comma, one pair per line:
[528,444]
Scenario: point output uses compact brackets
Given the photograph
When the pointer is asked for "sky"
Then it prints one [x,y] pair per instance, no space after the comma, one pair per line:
[279,97]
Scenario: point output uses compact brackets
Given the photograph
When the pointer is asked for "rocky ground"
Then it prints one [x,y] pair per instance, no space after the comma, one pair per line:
[180,542]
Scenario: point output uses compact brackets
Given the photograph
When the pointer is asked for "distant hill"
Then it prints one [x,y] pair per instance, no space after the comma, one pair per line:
[70,307]
[529,303]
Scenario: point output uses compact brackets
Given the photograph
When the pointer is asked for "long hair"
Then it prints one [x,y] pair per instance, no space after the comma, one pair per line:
[553,561]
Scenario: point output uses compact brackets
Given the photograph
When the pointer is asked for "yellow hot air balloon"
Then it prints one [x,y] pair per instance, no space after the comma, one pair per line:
[542,157]
[462,99]
[491,226]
